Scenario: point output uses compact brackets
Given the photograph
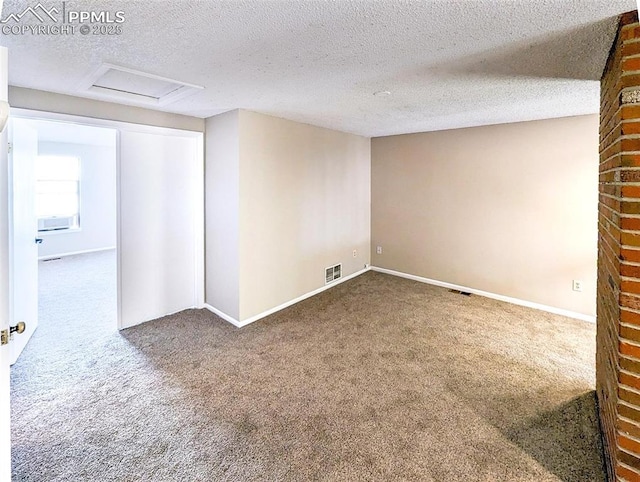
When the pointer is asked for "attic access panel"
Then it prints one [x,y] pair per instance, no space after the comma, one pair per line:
[116,82]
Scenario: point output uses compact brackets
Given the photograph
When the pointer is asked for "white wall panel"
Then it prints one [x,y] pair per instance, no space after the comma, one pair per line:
[160,179]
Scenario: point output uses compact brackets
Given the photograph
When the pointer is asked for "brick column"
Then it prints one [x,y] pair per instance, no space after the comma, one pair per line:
[618,338]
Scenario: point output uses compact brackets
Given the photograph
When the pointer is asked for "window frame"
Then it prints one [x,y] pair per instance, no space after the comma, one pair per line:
[78,215]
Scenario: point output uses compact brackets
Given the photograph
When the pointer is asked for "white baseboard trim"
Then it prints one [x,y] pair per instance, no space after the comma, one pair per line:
[486,294]
[75,253]
[259,316]
[222,315]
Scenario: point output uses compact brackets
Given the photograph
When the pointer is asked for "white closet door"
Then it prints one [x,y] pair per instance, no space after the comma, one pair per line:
[159,176]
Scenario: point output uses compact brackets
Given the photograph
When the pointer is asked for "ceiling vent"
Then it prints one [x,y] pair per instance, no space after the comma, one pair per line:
[121,83]
[332,273]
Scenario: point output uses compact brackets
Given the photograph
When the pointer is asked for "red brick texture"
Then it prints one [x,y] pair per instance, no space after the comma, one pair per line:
[618,338]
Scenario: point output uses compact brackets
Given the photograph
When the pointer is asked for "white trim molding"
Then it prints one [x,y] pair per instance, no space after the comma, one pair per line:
[486,294]
[240,324]
[223,315]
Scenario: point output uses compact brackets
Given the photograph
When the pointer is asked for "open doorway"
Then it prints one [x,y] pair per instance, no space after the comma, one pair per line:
[159,189]
[74,190]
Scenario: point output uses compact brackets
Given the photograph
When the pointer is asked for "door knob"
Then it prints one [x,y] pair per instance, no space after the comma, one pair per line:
[39,240]
[19,328]
[5,334]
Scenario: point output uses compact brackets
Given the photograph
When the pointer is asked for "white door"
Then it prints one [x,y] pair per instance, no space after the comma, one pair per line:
[5,441]
[160,204]
[23,231]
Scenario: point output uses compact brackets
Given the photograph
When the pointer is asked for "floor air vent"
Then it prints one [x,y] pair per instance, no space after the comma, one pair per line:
[332,273]
[465,293]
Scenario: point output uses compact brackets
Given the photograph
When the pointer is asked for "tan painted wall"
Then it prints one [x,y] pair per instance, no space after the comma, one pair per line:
[66,104]
[222,178]
[304,206]
[509,209]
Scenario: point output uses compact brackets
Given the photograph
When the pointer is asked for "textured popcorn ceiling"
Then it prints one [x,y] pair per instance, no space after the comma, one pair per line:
[447,64]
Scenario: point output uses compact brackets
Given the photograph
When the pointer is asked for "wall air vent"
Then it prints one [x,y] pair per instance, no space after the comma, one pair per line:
[122,83]
[332,273]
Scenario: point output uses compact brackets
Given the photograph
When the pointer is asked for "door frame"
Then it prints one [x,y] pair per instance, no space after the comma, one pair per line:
[198,191]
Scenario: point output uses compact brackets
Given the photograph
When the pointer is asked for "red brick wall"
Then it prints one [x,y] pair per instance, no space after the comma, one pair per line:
[618,338]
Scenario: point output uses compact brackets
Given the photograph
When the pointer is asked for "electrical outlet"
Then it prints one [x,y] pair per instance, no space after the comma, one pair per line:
[577,285]
[379,250]
[355,253]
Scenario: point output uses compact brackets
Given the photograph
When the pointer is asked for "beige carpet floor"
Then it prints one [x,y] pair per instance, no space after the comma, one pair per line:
[379,378]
